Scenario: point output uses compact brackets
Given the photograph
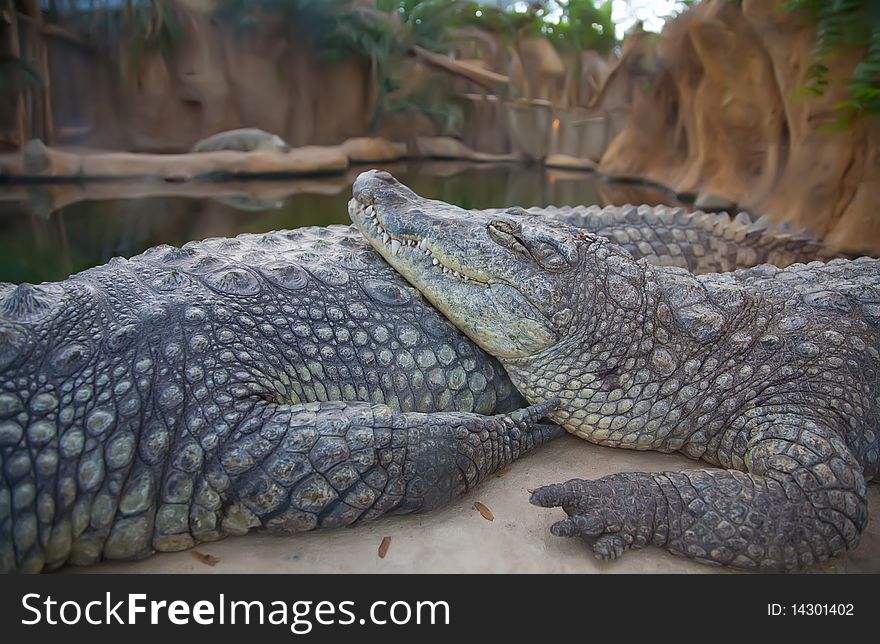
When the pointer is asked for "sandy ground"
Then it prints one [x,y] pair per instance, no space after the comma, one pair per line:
[459,539]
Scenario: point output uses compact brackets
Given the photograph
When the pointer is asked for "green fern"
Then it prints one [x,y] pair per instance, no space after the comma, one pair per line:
[845,25]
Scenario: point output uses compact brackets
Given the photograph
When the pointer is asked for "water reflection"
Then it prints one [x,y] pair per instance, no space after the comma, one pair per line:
[48,232]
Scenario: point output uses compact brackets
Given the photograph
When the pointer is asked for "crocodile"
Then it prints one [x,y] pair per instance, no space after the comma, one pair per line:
[285,381]
[768,374]
[242,140]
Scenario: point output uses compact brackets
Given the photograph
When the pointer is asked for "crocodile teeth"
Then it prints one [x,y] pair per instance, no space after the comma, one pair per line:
[369,211]
[396,245]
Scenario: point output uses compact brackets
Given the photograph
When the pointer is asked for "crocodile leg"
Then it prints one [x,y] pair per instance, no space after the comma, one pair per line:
[802,500]
[285,468]
[327,465]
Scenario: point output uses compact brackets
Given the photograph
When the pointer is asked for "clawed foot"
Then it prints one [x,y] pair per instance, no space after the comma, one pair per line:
[610,514]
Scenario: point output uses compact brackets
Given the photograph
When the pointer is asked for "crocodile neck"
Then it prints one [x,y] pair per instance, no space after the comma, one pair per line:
[625,373]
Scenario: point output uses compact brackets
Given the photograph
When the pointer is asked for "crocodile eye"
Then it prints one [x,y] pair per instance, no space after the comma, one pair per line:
[548,256]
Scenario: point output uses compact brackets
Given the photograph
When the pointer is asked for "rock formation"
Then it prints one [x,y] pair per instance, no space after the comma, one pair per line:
[717,107]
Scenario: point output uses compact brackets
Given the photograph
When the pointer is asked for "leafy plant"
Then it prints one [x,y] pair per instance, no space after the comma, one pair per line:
[430,22]
[385,35]
[339,29]
[585,24]
[846,25]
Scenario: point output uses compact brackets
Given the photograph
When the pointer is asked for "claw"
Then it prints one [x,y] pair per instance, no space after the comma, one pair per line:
[569,527]
[569,495]
[548,496]
[609,546]
[578,526]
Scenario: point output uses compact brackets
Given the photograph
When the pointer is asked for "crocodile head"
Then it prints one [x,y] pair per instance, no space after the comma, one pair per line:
[514,283]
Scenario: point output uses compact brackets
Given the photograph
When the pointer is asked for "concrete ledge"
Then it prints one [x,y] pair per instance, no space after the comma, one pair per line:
[36,162]
[568,162]
[458,539]
[445,147]
[373,150]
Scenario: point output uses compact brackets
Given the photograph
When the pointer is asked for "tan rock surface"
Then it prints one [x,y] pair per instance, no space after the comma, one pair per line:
[716,107]
[373,150]
[544,69]
[218,78]
[221,76]
[483,129]
[458,538]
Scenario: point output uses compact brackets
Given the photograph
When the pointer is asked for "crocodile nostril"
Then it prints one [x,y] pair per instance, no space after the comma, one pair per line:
[504,233]
[384,176]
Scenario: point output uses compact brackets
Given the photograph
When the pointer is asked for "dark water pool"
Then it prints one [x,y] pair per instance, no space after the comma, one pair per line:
[48,232]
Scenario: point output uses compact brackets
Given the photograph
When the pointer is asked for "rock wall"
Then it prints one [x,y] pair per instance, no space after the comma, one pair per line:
[716,107]
[217,79]
[220,78]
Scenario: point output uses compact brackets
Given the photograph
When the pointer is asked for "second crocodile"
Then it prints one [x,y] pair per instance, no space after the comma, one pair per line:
[770,374]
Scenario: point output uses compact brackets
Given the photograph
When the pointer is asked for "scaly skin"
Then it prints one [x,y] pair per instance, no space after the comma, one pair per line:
[187,394]
[287,381]
[768,373]
[697,241]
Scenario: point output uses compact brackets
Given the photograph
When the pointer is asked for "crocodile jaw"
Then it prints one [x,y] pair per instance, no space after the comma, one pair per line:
[432,255]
